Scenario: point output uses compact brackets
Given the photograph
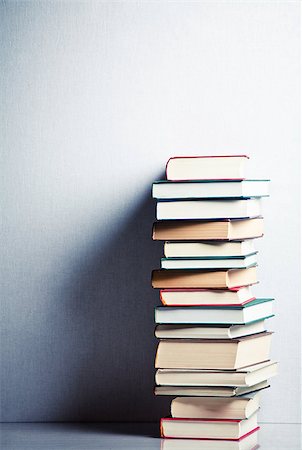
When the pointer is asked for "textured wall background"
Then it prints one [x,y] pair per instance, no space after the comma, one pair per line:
[97,96]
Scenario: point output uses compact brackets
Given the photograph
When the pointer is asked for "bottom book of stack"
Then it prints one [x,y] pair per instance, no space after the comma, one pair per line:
[248,442]
[225,429]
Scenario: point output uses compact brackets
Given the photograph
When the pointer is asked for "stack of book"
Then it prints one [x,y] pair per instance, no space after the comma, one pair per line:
[213,354]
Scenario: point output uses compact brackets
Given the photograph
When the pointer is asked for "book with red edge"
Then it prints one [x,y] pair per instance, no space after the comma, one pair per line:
[249,442]
[204,429]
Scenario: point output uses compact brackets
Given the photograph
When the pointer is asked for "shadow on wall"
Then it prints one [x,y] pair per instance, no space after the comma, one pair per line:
[109,319]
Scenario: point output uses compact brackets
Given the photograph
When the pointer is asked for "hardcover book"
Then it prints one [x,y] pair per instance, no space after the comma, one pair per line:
[206,297]
[206,167]
[210,262]
[258,309]
[243,377]
[209,189]
[215,408]
[208,209]
[203,279]
[226,354]
[208,428]
[221,230]
[199,249]
[248,442]
[207,391]
[208,331]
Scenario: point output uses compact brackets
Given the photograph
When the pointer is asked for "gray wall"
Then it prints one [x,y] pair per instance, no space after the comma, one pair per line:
[97,96]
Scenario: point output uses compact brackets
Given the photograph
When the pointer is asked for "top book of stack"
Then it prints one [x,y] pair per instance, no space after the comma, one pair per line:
[208,177]
[182,168]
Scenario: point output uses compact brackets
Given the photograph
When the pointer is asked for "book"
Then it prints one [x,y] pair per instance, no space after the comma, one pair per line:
[248,442]
[209,189]
[206,297]
[215,408]
[207,428]
[208,391]
[208,331]
[248,376]
[258,309]
[180,168]
[208,249]
[227,354]
[210,262]
[204,279]
[223,230]
[208,209]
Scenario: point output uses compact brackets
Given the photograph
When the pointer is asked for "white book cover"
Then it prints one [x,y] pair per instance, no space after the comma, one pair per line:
[210,189]
[208,209]
[252,311]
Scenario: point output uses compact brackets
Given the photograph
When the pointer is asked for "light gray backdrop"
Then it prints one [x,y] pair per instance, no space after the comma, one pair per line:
[97,96]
